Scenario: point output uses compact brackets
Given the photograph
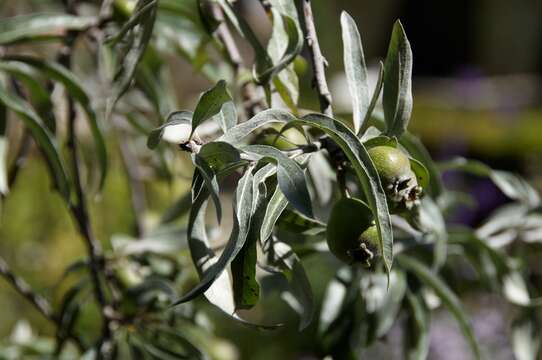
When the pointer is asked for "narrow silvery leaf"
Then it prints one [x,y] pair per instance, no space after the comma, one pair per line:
[246,289]
[366,174]
[210,104]
[138,33]
[355,69]
[43,138]
[526,337]
[398,83]
[41,26]
[290,176]
[446,295]
[227,118]
[75,88]
[37,94]
[240,131]
[176,129]
[241,222]
[417,344]
[433,224]
[374,99]
[3,151]
[211,182]
[275,207]
[512,185]
[300,296]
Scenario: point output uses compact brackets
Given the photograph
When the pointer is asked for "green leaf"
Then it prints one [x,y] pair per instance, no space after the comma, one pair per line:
[137,32]
[176,129]
[76,90]
[397,99]
[356,70]
[421,172]
[366,173]
[246,289]
[448,298]
[43,138]
[210,104]
[300,224]
[290,176]
[219,155]
[512,185]
[417,150]
[419,323]
[40,26]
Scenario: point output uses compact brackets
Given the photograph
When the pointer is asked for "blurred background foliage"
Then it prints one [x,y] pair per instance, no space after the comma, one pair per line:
[478,94]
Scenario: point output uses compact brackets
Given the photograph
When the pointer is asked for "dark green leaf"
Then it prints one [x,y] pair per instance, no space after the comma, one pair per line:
[210,104]
[398,83]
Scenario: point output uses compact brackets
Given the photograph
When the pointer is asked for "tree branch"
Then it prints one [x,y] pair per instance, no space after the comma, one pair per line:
[39,302]
[22,287]
[248,90]
[318,61]
[79,208]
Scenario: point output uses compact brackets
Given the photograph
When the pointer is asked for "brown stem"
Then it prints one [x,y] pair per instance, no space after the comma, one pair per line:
[318,61]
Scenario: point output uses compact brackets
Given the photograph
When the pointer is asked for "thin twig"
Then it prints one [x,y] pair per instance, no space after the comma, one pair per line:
[319,63]
[248,89]
[39,302]
[22,287]
[79,208]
